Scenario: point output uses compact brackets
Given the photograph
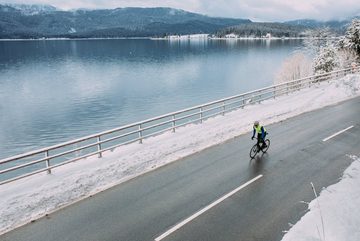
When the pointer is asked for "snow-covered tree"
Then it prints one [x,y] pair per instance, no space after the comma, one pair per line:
[346,57]
[326,60]
[317,39]
[352,37]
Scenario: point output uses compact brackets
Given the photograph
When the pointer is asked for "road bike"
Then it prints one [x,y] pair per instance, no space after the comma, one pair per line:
[255,149]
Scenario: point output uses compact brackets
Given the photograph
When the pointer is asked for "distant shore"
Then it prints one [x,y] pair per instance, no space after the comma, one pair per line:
[54,39]
[167,38]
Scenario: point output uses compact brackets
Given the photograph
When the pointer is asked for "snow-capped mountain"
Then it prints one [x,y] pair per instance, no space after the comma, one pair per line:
[37,21]
[32,9]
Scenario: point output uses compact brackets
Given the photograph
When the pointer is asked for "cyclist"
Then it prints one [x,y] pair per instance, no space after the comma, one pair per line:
[261,134]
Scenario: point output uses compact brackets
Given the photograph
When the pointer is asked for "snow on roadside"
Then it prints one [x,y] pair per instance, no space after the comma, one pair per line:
[36,196]
[339,205]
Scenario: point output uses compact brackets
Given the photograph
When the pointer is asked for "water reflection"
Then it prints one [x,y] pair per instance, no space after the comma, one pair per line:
[52,91]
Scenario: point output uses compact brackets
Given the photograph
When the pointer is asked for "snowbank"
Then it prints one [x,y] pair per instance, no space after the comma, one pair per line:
[36,196]
[339,208]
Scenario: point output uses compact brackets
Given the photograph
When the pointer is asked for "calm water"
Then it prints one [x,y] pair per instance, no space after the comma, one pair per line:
[53,91]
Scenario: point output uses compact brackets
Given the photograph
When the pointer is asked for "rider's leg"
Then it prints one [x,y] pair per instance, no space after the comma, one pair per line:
[263,141]
[258,141]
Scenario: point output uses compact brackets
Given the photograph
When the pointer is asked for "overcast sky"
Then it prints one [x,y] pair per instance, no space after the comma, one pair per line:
[258,10]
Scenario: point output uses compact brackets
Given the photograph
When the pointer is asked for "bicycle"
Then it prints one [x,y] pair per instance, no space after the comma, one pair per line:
[255,149]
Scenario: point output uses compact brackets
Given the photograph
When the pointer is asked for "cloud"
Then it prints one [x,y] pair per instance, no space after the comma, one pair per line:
[261,10]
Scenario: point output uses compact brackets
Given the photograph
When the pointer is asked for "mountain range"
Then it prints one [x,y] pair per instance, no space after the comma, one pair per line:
[336,25]
[38,21]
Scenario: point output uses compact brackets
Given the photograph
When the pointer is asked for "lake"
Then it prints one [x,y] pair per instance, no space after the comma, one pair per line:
[58,90]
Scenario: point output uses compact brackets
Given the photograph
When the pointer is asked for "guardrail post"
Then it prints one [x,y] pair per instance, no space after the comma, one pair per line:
[287,89]
[201,115]
[173,123]
[223,104]
[48,162]
[99,146]
[140,135]
[274,92]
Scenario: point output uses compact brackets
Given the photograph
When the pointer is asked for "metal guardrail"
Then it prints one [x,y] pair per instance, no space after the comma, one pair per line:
[45,159]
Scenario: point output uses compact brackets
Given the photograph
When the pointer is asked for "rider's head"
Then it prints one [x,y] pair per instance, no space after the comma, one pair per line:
[256,123]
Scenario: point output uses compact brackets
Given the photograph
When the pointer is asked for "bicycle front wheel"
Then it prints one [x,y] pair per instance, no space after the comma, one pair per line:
[253,151]
[267,141]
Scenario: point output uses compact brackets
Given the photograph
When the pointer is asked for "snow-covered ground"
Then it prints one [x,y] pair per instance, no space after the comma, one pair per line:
[335,214]
[36,196]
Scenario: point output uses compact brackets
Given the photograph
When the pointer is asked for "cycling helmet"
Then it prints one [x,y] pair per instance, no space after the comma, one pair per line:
[256,123]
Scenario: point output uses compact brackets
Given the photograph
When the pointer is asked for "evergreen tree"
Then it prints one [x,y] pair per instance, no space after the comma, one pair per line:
[352,37]
[326,60]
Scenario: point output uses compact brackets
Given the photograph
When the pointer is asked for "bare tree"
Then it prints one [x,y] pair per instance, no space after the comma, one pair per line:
[295,67]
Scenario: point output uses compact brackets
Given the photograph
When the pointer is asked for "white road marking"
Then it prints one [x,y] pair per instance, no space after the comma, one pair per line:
[189,219]
[337,133]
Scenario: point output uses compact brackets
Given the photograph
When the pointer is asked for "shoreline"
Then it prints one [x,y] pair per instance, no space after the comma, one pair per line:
[168,38]
[59,39]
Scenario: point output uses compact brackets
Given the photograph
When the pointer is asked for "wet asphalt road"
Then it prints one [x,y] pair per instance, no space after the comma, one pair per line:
[144,208]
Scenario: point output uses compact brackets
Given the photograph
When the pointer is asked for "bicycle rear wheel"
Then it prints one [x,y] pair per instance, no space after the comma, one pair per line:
[253,151]
[267,141]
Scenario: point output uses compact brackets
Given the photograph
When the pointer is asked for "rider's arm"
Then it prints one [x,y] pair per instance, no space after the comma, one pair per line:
[253,133]
[262,133]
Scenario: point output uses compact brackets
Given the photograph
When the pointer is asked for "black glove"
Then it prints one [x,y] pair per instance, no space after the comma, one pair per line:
[252,138]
